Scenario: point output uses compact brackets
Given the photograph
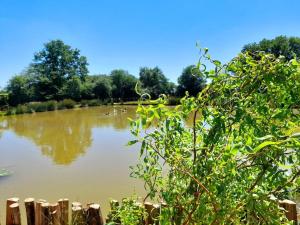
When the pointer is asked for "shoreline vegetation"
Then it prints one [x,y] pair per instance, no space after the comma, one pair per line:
[52,105]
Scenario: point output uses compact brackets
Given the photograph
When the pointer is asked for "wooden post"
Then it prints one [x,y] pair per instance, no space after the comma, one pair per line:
[153,211]
[291,208]
[38,211]
[15,213]
[30,211]
[74,204]
[78,216]
[63,211]
[149,208]
[45,212]
[94,215]
[156,213]
[9,216]
[54,214]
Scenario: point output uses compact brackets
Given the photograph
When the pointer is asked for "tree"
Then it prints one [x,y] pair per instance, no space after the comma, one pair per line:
[190,82]
[154,81]
[55,65]
[21,89]
[3,99]
[123,84]
[228,155]
[103,88]
[71,89]
[281,45]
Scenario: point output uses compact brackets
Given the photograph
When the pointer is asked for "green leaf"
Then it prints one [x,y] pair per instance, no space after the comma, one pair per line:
[295,135]
[132,142]
[265,144]
[267,137]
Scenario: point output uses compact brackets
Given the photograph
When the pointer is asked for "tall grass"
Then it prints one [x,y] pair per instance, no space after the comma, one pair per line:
[66,104]
[34,107]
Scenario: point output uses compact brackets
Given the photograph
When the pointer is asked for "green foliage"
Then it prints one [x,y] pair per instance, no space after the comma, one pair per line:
[281,45]
[154,82]
[66,104]
[20,89]
[190,81]
[93,102]
[123,84]
[130,212]
[33,107]
[56,64]
[3,99]
[72,89]
[51,105]
[21,109]
[226,155]
[103,88]
[173,101]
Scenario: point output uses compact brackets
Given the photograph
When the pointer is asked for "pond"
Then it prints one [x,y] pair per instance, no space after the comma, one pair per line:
[79,154]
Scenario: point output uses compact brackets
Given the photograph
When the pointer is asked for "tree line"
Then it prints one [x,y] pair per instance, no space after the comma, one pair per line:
[59,72]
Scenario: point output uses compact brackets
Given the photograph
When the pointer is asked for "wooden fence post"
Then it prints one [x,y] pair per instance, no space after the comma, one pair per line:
[63,211]
[54,214]
[78,216]
[153,211]
[15,213]
[94,215]
[74,204]
[291,208]
[45,212]
[38,211]
[9,216]
[30,210]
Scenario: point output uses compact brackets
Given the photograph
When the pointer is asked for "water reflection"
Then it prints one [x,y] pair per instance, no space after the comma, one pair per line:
[66,135]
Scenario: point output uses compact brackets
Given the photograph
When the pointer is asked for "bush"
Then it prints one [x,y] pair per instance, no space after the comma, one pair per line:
[240,154]
[94,102]
[41,107]
[84,103]
[51,105]
[20,109]
[173,100]
[66,104]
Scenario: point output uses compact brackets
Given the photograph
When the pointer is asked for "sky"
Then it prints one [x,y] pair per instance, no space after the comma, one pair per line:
[119,34]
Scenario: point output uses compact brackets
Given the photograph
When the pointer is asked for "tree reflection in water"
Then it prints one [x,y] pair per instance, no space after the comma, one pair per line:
[66,135]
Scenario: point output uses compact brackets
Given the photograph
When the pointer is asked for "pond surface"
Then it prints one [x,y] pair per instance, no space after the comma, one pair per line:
[79,154]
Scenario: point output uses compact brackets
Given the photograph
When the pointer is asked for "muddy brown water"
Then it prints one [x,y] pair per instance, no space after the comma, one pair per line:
[79,154]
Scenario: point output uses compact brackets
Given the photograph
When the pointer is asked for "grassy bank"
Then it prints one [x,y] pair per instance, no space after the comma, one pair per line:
[171,101]
[34,107]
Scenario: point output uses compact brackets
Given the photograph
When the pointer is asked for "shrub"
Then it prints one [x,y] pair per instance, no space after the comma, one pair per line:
[66,104]
[51,105]
[20,109]
[129,212]
[41,107]
[84,103]
[240,154]
[94,102]
[173,100]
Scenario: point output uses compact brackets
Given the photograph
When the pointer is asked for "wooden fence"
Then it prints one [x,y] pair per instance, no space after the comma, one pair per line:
[41,212]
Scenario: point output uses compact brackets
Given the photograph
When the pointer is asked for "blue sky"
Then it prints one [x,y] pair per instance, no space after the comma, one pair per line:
[129,34]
